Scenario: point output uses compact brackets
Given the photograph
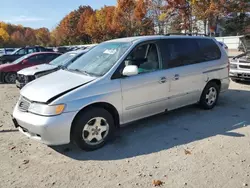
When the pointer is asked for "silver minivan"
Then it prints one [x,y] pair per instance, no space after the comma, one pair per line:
[120,81]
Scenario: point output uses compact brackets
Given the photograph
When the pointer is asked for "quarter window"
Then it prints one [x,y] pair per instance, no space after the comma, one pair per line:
[209,49]
[37,58]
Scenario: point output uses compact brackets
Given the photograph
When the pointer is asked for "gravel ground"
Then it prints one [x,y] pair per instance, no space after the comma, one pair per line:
[188,147]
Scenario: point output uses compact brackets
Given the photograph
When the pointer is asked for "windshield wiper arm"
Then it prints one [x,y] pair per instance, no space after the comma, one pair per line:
[80,71]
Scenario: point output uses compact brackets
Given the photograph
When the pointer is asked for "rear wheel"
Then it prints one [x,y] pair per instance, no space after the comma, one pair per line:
[10,77]
[209,95]
[93,128]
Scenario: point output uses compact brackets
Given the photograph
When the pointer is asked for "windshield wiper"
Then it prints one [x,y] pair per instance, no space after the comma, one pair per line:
[82,72]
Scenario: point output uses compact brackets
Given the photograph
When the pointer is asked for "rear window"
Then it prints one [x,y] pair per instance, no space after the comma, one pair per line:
[209,49]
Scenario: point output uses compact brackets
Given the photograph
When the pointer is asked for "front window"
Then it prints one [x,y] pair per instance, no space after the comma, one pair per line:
[145,57]
[21,52]
[99,60]
[15,51]
[63,59]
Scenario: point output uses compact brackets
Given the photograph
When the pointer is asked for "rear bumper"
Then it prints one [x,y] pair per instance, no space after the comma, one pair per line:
[224,84]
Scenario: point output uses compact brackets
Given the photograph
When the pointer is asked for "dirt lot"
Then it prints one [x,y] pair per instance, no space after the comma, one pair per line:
[188,147]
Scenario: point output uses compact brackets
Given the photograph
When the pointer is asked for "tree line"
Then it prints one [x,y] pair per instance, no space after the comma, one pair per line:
[17,35]
[131,18]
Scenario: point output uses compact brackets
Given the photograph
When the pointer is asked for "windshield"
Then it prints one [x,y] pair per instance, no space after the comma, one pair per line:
[99,60]
[14,52]
[20,59]
[63,59]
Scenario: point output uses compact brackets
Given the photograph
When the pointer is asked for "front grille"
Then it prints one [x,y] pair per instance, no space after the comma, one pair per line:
[24,104]
[20,78]
[244,67]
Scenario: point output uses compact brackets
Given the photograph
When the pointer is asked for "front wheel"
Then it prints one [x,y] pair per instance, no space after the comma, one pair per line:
[209,96]
[10,77]
[92,128]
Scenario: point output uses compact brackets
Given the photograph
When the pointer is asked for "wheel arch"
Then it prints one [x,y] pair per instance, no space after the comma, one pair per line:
[107,106]
[217,81]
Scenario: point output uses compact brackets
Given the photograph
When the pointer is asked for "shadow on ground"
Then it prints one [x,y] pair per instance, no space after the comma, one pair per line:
[9,131]
[175,128]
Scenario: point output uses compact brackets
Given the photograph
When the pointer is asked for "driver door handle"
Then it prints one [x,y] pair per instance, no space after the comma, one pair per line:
[163,80]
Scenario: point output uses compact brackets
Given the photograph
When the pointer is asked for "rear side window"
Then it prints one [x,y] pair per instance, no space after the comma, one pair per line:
[209,49]
[50,57]
[181,52]
[37,58]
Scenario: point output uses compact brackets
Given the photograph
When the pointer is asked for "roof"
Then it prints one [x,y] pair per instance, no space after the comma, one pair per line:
[78,51]
[36,53]
[152,37]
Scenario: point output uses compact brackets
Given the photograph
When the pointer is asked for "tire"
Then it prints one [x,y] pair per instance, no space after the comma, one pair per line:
[10,77]
[87,130]
[209,96]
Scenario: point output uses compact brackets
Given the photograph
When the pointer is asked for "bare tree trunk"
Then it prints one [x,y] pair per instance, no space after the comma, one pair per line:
[205,26]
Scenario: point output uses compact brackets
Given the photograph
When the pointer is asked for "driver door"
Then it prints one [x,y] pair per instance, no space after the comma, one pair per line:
[144,94]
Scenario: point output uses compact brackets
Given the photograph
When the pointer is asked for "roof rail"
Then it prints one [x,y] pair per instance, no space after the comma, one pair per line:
[187,34]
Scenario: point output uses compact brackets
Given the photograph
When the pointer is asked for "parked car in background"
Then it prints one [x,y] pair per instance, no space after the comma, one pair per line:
[120,81]
[26,75]
[244,43]
[223,46]
[8,71]
[8,58]
[4,51]
[61,49]
[240,67]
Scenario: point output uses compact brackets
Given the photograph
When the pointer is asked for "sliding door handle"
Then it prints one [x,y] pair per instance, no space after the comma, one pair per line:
[163,80]
[176,77]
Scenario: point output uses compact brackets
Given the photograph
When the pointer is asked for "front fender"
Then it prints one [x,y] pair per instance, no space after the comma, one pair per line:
[79,104]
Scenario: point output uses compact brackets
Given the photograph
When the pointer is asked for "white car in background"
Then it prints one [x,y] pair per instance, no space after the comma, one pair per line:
[27,75]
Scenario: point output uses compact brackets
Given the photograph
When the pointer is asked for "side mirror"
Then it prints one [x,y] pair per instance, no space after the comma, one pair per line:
[130,70]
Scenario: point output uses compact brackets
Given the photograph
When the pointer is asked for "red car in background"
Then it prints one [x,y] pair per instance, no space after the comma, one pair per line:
[8,72]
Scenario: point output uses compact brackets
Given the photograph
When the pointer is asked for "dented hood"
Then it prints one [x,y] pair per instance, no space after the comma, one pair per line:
[245,41]
[52,85]
[36,69]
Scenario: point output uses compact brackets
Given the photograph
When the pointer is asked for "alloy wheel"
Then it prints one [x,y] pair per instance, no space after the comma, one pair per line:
[95,131]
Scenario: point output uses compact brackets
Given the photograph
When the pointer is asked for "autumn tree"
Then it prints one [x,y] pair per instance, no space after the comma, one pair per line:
[18,38]
[4,37]
[125,16]
[211,11]
[30,36]
[43,36]
[85,13]
[143,24]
